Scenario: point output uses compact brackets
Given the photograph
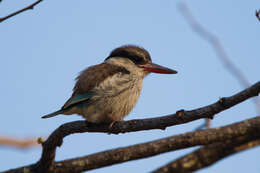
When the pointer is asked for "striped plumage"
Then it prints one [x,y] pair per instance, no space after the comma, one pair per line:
[107,92]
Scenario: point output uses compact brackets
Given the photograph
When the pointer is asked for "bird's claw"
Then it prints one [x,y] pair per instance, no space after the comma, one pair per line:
[111,124]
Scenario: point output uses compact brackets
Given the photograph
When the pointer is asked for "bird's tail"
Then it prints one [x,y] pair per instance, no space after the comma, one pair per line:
[53,114]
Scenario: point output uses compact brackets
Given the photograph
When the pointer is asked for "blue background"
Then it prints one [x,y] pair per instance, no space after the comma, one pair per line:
[43,50]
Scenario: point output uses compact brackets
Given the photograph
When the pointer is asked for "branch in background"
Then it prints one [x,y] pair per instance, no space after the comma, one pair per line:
[257,14]
[30,7]
[209,155]
[215,43]
[18,143]
[219,49]
[249,129]
[205,125]
[208,123]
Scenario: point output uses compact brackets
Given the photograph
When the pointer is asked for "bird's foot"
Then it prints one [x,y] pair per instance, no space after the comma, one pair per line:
[112,121]
[111,124]
[111,129]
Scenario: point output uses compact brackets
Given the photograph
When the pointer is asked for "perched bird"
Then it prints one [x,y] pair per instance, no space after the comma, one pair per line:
[107,92]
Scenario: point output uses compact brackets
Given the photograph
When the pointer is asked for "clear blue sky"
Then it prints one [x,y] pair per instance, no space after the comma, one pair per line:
[43,50]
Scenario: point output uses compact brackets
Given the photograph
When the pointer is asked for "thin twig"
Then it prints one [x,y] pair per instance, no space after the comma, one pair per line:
[208,123]
[217,46]
[30,7]
[205,125]
[18,143]
[257,14]
[249,129]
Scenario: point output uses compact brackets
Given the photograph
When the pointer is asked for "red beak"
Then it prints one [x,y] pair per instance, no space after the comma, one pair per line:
[155,68]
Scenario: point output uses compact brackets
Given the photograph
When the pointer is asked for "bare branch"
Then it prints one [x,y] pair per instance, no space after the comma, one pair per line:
[30,7]
[18,143]
[209,155]
[208,123]
[55,139]
[205,125]
[248,129]
[257,14]
[217,46]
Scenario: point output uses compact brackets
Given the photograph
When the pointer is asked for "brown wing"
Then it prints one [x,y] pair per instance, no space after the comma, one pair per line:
[91,77]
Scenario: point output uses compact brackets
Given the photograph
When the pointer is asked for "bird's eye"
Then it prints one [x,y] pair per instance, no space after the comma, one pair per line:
[138,60]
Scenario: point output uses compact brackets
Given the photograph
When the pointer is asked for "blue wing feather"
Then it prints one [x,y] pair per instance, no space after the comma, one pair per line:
[77,99]
[72,101]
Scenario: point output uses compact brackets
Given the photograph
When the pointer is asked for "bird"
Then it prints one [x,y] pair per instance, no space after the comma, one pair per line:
[107,92]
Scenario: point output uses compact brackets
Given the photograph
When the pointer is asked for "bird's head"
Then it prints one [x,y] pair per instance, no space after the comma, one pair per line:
[139,58]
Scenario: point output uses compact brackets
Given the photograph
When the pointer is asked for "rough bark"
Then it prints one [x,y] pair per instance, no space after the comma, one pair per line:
[209,155]
[46,163]
[249,129]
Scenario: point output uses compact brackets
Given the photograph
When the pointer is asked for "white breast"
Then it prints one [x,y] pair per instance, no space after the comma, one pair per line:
[116,96]
[126,101]
[115,100]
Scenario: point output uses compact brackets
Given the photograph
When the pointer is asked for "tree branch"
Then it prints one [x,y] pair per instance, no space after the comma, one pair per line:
[217,46]
[55,139]
[249,129]
[18,143]
[209,155]
[257,14]
[30,7]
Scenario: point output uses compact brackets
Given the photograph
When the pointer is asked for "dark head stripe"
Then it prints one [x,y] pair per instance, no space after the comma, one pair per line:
[136,54]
